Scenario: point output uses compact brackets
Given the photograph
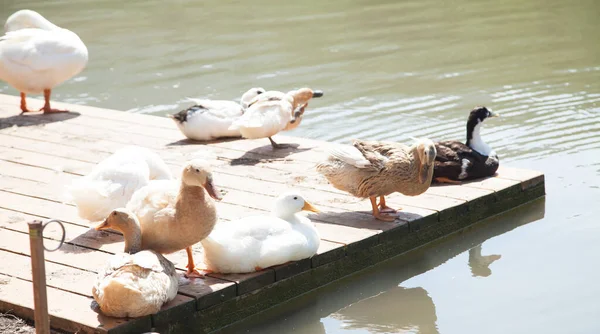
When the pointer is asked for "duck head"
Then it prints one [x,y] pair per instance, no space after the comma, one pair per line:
[126,222]
[290,203]
[248,96]
[426,151]
[480,114]
[119,219]
[301,97]
[25,18]
[197,173]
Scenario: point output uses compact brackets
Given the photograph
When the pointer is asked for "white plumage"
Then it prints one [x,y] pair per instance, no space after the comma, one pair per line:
[37,55]
[259,242]
[211,119]
[268,114]
[113,181]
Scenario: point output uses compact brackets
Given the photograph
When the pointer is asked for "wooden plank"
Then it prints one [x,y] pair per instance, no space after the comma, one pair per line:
[68,311]
[528,178]
[40,207]
[57,276]
[248,282]
[74,234]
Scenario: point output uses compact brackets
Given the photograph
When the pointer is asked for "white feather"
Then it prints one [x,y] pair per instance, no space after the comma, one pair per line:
[36,55]
[350,155]
[113,181]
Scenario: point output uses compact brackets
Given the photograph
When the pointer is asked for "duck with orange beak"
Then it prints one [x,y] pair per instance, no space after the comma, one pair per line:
[258,242]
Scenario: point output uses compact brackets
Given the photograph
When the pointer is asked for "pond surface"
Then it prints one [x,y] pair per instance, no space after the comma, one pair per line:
[390,70]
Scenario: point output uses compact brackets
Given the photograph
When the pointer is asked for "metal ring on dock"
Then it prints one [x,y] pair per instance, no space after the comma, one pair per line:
[62,239]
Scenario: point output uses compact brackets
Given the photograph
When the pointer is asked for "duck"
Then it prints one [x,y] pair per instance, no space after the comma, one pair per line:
[272,112]
[175,215]
[211,119]
[376,169]
[456,162]
[113,181]
[36,55]
[298,113]
[137,282]
[257,242]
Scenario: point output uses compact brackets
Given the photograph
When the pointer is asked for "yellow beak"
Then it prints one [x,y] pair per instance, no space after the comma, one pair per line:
[309,207]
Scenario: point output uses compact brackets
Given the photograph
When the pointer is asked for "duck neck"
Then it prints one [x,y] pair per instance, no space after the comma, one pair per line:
[133,236]
[475,141]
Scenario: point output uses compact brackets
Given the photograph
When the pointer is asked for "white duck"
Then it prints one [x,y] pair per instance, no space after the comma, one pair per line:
[254,243]
[134,283]
[211,119]
[36,55]
[272,112]
[113,181]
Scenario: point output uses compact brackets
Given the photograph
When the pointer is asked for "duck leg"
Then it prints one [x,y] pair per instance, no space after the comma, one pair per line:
[24,104]
[46,108]
[384,208]
[446,180]
[277,146]
[191,272]
[378,214]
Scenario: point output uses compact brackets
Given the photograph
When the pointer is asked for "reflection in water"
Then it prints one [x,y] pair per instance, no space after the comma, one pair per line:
[480,264]
[412,311]
[380,299]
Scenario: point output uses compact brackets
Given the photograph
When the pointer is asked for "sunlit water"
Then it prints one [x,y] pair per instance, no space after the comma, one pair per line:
[390,70]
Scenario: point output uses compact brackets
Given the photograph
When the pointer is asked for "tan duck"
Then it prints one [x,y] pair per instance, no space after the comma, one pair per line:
[376,169]
[134,283]
[176,215]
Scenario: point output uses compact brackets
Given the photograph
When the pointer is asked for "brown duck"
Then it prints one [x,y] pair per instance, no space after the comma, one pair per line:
[376,169]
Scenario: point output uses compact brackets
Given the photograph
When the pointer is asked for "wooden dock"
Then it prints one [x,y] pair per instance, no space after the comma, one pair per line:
[40,154]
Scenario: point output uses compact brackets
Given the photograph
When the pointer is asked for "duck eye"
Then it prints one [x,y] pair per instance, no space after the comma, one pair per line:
[295,197]
[197,170]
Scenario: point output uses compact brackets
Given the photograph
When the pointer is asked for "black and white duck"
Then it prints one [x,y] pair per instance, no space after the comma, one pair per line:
[456,162]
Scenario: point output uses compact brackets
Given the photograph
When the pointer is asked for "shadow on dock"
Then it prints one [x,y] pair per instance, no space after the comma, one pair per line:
[32,119]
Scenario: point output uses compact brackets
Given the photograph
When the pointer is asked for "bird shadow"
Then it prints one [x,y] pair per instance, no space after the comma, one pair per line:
[187,141]
[266,153]
[363,219]
[93,240]
[33,119]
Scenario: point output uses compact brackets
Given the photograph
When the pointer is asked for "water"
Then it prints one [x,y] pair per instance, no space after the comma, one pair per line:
[391,70]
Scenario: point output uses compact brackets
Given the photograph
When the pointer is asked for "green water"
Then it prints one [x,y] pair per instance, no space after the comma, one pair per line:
[390,70]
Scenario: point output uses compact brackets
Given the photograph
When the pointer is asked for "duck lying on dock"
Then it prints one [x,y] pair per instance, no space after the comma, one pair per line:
[137,282]
[272,112]
[211,119]
[36,56]
[456,162]
[376,169]
[258,242]
[176,215]
[113,181]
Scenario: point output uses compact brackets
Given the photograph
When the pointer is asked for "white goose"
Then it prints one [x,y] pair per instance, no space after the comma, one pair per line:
[36,55]
[113,181]
[272,112]
[211,119]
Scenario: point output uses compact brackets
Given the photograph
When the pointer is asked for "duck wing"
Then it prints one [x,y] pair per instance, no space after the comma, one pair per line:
[37,49]
[381,153]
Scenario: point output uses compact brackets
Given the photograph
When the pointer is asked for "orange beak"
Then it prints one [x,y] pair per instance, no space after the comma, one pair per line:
[309,207]
[102,226]
[212,190]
